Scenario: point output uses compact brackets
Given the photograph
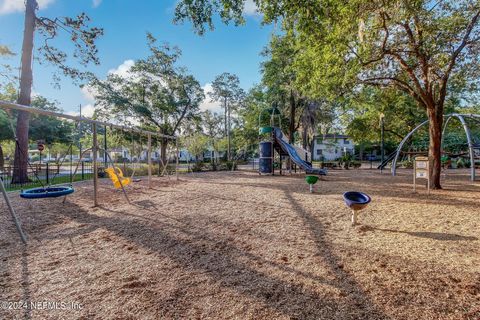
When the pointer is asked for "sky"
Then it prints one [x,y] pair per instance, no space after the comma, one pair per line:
[125,22]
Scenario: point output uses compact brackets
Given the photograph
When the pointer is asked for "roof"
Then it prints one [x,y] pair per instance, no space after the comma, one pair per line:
[333,136]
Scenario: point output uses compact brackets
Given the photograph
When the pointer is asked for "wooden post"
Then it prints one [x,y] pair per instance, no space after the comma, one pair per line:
[177,161]
[12,212]
[95,169]
[149,160]
[354,217]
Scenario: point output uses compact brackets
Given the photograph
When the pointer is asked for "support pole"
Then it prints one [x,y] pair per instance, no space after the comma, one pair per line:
[354,217]
[149,160]
[105,147]
[95,169]
[470,147]
[12,212]
[177,161]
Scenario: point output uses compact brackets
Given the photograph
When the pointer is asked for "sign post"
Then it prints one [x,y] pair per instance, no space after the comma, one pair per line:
[421,170]
[40,148]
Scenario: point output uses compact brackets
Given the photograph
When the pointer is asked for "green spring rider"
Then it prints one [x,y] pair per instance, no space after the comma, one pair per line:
[311,180]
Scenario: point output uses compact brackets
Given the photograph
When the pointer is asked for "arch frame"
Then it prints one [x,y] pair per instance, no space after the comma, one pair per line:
[461,117]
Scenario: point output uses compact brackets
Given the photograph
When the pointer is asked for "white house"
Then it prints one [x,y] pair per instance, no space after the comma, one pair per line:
[332,146]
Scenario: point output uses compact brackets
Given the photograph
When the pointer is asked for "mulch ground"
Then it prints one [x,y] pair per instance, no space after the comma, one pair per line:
[242,246]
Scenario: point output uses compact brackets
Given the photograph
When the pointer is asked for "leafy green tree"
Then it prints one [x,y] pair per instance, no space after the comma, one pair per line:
[6,71]
[421,48]
[49,129]
[155,93]
[246,133]
[226,89]
[279,77]
[83,38]
[196,144]
[212,127]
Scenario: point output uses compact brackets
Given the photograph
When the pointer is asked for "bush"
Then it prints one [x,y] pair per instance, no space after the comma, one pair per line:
[227,165]
[198,166]
[356,164]
[408,164]
[461,163]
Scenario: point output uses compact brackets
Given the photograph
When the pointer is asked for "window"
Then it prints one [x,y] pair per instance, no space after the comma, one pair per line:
[345,141]
[319,152]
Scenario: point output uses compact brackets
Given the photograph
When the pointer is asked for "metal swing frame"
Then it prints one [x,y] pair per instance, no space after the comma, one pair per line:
[5,105]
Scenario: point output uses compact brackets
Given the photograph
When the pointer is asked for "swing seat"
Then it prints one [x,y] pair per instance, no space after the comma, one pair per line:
[118,179]
[48,192]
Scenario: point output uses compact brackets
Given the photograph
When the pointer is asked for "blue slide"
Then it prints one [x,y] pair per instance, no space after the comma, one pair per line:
[292,153]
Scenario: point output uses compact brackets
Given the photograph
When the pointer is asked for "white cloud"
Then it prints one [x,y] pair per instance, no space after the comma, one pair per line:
[88,92]
[250,8]
[207,104]
[11,6]
[123,69]
[96,3]
[87,111]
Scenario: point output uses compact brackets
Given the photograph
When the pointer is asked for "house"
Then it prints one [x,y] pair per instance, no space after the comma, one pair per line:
[330,147]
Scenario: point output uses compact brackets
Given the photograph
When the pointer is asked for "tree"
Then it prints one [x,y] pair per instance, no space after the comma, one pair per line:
[48,129]
[6,71]
[212,126]
[417,47]
[85,51]
[226,88]
[279,77]
[196,144]
[155,93]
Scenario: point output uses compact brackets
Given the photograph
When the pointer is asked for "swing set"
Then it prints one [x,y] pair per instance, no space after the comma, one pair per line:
[116,175]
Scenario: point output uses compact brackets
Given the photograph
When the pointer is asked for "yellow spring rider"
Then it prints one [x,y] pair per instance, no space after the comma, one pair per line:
[116,175]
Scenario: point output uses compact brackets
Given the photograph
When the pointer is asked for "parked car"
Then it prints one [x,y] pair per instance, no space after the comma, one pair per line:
[371,157]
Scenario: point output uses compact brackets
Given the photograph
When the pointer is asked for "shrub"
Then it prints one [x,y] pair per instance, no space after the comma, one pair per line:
[198,166]
[227,165]
[408,164]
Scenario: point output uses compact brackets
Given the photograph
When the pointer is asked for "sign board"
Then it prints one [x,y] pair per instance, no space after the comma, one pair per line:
[40,147]
[421,170]
[422,174]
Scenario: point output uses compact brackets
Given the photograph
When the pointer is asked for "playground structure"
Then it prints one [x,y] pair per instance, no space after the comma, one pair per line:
[57,191]
[356,201]
[273,140]
[473,146]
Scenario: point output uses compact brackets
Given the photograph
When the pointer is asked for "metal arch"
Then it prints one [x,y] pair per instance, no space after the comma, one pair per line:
[470,146]
[400,146]
[461,118]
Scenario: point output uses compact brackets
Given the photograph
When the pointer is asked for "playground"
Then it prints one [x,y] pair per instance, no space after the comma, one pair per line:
[240,245]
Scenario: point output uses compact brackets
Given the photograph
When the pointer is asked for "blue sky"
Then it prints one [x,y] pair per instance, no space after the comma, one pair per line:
[125,22]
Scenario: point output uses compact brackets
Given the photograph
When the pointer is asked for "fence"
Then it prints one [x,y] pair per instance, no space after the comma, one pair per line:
[47,173]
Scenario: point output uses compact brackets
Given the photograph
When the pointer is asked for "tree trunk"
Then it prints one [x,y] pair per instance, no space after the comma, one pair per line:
[2,159]
[291,126]
[163,153]
[229,150]
[435,117]
[21,150]
[304,138]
